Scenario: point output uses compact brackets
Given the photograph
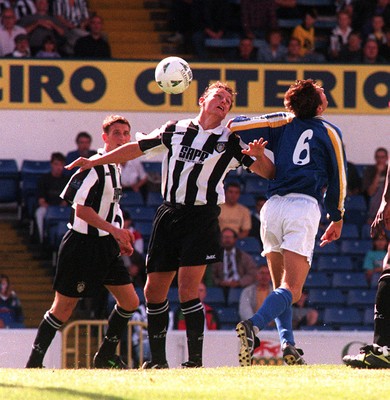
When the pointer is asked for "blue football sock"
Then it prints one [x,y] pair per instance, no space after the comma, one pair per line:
[274,305]
[284,325]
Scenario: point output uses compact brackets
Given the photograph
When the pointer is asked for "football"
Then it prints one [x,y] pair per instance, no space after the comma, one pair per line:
[173,75]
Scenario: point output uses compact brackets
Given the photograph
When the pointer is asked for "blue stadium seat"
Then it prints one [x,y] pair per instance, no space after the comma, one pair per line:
[368,316]
[358,297]
[249,244]
[330,248]
[355,202]
[55,215]
[228,317]
[234,297]
[215,296]
[365,231]
[355,247]
[57,233]
[317,280]
[152,166]
[140,293]
[325,297]
[144,227]
[349,280]
[256,185]
[357,217]
[129,199]
[350,231]
[173,296]
[140,213]
[342,316]
[154,199]
[247,199]
[9,181]
[334,263]
[259,259]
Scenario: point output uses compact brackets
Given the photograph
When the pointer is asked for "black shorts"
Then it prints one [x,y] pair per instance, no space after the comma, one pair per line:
[184,236]
[86,263]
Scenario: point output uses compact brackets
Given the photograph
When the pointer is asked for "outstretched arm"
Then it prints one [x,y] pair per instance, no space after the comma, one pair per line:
[382,219]
[263,166]
[120,155]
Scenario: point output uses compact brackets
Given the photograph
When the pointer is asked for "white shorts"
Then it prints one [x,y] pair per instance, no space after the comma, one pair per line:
[290,223]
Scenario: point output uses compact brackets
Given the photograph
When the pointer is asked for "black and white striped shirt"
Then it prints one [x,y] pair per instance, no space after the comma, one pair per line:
[196,161]
[74,14]
[98,188]
[23,8]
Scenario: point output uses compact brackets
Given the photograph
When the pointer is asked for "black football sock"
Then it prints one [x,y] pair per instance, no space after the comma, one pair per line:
[382,310]
[158,319]
[194,316]
[117,323]
[46,331]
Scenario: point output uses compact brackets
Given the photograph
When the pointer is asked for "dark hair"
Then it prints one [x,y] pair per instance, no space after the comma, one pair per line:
[112,119]
[57,157]
[233,184]
[302,98]
[230,230]
[84,135]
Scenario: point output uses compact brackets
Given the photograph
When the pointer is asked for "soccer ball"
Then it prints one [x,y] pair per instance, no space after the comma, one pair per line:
[173,75]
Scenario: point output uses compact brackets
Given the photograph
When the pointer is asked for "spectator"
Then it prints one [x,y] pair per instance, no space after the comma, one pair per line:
[233,214]
[255,217]
[377,30]
[8,31]
[74,15]
[138,241]
[83,142]
[238,268]
[50,187]
[246,51]
[210,17]
[354,181]
[272,49]
[340,34]
[258,17]
[49,49]
[181,24]
[353,52]
[303,314]
[40,25]
[305,33]
[22,47]
[253,296]
[94,45]
[134,178]
[293,51]
[11,315]
[211,321]
[373,260]
[371,53]
[373,182]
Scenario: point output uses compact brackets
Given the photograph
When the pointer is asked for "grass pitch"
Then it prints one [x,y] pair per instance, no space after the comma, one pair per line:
[257,382]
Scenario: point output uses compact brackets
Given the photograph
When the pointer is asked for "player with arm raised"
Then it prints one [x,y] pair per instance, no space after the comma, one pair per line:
[310,168]
[198,153]
[377,355]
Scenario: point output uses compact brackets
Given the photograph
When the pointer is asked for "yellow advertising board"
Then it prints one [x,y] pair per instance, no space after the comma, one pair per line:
[130,86]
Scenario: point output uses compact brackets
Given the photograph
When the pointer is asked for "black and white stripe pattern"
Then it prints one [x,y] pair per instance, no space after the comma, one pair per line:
[75,14]
[192,309]
[100,189]
[23,8]
[196,161]
[51,321]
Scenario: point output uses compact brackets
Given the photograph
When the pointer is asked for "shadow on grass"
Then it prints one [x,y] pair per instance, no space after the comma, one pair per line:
[62,391]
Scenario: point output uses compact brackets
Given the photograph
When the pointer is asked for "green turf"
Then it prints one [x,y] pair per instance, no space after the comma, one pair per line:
[258,383]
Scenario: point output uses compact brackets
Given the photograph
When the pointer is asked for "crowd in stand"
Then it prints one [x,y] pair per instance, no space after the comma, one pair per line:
[51,29]
[354,31]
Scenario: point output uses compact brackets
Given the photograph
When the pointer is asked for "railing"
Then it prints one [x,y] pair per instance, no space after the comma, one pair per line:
[87,341]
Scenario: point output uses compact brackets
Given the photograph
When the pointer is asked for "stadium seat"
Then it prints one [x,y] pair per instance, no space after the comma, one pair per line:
[140,294]
[259,259]
[131,199]
[349,280]
[350,231]
[365,231]
[249,244]
[342,316]
[330,248]
[215,296]
[154,199]
[355,247]
[173,295]
[255,185]
[247,199]
[358,297]
[234,297]
[355,202]
[140,213]
[152,166]
[144,227]
[317,280]
[228,317]
[357,217]
[9,181]
[325,297]
[368,316]
[334,263]
[55,215]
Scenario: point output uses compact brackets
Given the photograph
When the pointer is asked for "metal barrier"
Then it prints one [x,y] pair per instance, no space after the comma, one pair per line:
[87,340]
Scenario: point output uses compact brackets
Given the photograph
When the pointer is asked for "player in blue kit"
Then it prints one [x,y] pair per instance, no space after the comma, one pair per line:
[310,169]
